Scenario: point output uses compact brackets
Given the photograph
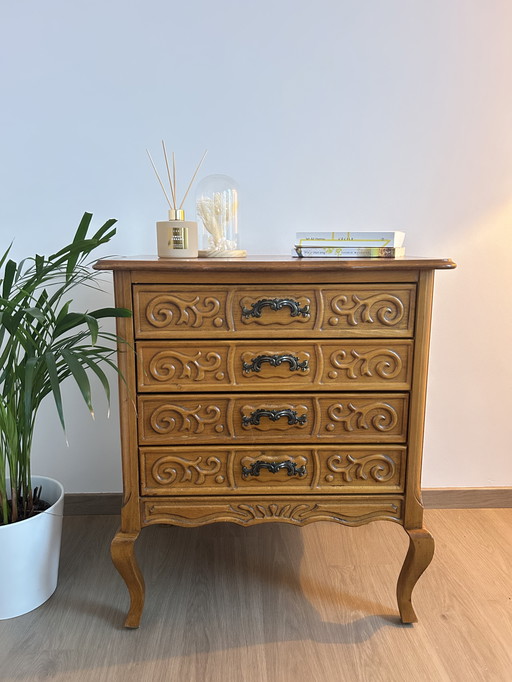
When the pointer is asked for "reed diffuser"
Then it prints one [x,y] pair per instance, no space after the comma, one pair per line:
[176,237]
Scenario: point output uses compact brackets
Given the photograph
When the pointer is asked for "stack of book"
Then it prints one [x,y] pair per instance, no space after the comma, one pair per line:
[350,245]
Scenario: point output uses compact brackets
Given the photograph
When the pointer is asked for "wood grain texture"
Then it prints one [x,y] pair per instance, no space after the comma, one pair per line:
[272,417]
[279,311]
[419,556]
[276,300]
[130,522]
[122,551]
[413,502]
[249,511]
[245,469]
[274,603]
[272,264]
[179,366]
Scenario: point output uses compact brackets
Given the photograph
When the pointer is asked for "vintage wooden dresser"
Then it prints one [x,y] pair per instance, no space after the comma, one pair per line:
[273,389]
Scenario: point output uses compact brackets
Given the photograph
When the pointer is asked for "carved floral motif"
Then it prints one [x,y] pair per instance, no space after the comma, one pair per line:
[273,510]
[169,418]
[183,513]
[380,467]
[384,362]
[380,416]
[386,308]
[191,311]
[170,364]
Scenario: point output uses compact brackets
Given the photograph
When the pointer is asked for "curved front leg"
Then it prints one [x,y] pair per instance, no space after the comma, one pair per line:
[123,557]
[419,556]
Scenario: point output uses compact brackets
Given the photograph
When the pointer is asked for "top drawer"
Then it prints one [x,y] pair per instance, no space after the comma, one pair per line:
[364,310]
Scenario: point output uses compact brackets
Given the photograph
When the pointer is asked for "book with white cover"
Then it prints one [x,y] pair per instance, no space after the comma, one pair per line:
[357,239]
[305,251]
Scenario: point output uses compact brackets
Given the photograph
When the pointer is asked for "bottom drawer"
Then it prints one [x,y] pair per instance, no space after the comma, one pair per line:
[353,510]
[282,469]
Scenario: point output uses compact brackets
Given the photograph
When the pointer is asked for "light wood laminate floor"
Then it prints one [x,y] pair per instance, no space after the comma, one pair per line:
[274,603]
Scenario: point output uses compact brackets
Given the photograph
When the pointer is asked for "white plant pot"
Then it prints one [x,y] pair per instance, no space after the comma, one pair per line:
[30,552]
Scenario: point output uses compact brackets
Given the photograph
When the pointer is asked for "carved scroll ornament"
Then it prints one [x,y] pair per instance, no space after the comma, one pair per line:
[171,309]
[381,468]
[384,362]
[169,418]
[170,364]
[386,308]
[171,469]
[380,416]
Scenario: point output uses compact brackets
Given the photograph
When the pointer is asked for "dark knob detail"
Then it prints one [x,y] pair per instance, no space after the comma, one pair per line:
[275,361]
[273,467]
[255,417]
[275,304]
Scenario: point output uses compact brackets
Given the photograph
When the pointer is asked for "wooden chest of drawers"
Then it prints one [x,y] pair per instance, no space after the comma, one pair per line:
[273,389]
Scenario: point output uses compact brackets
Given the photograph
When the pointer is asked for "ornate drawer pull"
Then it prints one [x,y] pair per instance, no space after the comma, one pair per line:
[255,417]
[276,304]
[275,361]
[273,467]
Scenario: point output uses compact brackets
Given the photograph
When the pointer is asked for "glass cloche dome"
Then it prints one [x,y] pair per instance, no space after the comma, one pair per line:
[217,211]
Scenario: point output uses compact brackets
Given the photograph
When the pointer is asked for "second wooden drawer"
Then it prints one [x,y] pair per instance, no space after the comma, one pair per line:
[335,417]
[274,365]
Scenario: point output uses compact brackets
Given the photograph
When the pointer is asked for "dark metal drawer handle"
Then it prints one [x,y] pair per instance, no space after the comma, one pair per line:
[276,304]
[255,417]
[273,467]
[275,361]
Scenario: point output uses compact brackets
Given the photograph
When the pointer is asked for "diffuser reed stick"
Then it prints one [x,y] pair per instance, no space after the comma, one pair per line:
[169,173]
[193,178]
[172,180]
[159,180]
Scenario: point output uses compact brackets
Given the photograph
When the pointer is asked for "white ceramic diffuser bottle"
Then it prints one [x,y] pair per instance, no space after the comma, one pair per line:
[176,237]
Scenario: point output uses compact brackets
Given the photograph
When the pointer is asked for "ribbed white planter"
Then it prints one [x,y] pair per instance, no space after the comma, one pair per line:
[30,552]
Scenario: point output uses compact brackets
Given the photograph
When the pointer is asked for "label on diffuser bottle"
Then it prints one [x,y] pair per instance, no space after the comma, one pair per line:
[177,239]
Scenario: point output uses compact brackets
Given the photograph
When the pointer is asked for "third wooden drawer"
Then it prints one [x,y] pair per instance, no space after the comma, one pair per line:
[277,469]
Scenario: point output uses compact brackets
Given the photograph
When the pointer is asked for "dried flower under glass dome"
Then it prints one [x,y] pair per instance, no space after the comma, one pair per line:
[217,208]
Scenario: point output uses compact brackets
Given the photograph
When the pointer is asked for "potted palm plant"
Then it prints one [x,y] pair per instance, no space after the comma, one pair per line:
[42,343]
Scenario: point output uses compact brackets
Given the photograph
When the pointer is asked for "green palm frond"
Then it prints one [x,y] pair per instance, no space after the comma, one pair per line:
[43,342]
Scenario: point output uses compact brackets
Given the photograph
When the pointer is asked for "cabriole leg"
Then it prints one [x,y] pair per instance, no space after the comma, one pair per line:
[419,556]
[123,556]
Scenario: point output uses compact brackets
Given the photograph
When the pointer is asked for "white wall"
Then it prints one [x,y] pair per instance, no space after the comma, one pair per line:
[334,114]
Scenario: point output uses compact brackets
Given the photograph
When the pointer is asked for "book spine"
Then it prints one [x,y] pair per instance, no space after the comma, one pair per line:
[362,238]
[347,243]
[350,252]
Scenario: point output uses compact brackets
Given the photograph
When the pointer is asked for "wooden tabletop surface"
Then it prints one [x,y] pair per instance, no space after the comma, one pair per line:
[271,263]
